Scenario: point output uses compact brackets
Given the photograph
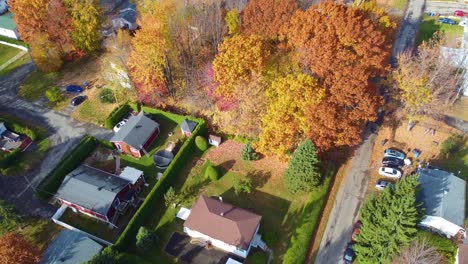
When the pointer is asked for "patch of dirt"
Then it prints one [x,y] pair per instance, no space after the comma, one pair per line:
[101,159]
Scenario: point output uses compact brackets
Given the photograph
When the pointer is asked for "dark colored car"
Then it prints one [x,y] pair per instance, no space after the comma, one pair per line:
[349,254]
[446,20]
[74,89]
[78,100]
[391,161]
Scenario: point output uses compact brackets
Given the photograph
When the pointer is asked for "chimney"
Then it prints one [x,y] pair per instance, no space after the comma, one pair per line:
[220,199]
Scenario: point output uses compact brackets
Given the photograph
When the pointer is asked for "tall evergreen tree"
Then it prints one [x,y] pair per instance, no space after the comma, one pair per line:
[303,174]
[388,222]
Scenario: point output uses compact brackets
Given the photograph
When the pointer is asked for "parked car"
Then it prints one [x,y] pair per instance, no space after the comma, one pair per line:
[74,89]
[391,161]
[356,230]
[381,184]
[459,13]
[78,100]
[119,125]
[446,20]
[394,154]
[390,172]
[349,254]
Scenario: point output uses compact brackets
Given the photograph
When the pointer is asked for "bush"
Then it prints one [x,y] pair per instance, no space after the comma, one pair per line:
[201,143]
[7,159]
[170,174]
[210,171]
[258,258]
[242,186]
[451,145]
[145,239]
[53,180]
[111,256]
[117,115]
[53,94]
[106,96]
[247,153]
[107,144]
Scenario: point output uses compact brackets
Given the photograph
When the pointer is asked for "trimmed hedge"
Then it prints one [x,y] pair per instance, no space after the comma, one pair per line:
[201,143]
[7,159]
[50,184]
[117,115]
[127,238]
[19,129]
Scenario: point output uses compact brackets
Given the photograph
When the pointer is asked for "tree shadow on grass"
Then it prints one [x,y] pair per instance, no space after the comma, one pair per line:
[259,178]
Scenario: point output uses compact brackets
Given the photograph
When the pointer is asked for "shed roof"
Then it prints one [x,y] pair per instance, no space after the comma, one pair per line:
[442,194]
[70,247]
[188,125]
[222,221]
[128,12]
[131,174]
[6,21]
[136,131]
[91,188]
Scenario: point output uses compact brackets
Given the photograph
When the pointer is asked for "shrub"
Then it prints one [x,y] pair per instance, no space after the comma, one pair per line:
[106,96]
[210,172]
[117,115]
[451,145]
[242,186]
[247,153]
[145,239]
[201,143]
[258,258]
[107,144]
[170,197]
[7,159]
[53,180]
[19,129]
[53,94]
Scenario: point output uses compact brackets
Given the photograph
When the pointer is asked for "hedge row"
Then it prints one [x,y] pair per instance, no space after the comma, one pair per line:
[117,115]
[180,160]
[307,223]
[19,129]
[8,158]
[50,184]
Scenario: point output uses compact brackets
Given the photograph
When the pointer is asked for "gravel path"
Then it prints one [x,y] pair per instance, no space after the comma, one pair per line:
[64,134]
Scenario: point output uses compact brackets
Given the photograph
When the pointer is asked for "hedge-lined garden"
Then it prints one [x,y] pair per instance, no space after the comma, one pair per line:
[127,237]
[50,184]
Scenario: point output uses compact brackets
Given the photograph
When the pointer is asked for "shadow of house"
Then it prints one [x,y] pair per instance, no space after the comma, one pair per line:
[442,195]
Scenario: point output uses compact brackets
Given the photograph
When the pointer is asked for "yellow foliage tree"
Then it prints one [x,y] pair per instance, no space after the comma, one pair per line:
[284,124]
[45,53]
[86,22]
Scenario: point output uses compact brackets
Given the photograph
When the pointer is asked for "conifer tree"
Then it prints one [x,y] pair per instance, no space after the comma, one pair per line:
[388,222]
[303,173]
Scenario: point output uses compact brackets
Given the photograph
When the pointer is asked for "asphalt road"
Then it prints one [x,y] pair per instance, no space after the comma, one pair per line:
[445,8]
[64,133]
[350,194]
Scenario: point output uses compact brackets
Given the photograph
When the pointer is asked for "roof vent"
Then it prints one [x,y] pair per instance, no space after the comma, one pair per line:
[221,214]
[445,192]
[220,199]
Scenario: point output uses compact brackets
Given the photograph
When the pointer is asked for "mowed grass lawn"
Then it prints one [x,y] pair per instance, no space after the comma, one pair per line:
[35,85]
[6,53]
[92,109]
[429,25]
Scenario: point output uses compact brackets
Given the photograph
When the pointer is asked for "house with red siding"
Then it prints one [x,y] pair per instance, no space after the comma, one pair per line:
[135,136]
[96,193]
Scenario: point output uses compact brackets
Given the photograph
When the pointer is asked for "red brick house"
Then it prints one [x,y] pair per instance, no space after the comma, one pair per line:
[95,193]
[135,136]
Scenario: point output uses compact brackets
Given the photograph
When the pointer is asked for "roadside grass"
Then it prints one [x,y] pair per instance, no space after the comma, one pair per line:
[6,53]
[92,109]
[22,60]
[429,25]
[35,85]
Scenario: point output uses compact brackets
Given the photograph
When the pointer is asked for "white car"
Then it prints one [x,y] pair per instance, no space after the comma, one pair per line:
[381,184]
[390,172]
[120,125]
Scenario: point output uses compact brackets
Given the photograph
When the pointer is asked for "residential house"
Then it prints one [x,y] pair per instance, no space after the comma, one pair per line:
[8,27]
[214,140]
[136,135]
[443,196]
[134,176]
[10,141]
[224,226]
[96,193]
[187,127]
[3,6]
[462,254]
[70,247]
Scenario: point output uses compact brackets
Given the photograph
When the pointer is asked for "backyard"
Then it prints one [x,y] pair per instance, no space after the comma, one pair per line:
[281,211]
[7,53]
[430,25]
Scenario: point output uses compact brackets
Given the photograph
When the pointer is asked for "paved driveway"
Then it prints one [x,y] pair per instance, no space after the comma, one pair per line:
[64,134]
[349,197]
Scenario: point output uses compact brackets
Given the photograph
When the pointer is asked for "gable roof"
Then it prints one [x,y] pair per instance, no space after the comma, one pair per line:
[188,125]
[136,131]
[442,194]
[91,188]
[128,12]
[6,21]
[70,247]
[222,221]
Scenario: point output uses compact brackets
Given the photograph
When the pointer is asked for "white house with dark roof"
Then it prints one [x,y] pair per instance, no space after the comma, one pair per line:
[442,194]
[8,27]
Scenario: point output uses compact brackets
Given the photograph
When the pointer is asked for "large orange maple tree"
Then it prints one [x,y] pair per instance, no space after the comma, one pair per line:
[14,249]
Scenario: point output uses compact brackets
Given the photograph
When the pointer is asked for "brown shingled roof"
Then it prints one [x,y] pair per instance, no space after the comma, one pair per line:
[462,253]
[222,221]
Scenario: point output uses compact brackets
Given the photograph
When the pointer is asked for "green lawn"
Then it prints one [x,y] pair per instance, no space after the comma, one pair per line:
[29,159]
[430,25]
[36,84]
[7,52]
[22,60]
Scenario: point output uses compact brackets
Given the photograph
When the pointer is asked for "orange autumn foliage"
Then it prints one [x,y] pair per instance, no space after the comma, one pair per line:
[14,249]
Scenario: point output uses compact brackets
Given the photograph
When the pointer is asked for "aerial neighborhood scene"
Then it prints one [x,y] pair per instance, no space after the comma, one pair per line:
[233,131]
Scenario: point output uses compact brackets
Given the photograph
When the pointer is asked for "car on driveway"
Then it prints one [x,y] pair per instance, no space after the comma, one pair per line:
[119,125]
[390,172]
[78,100]
[391,161]
[349,254]
[381,184]
[394,154]
[74,89]
[459,13]
[446,20]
